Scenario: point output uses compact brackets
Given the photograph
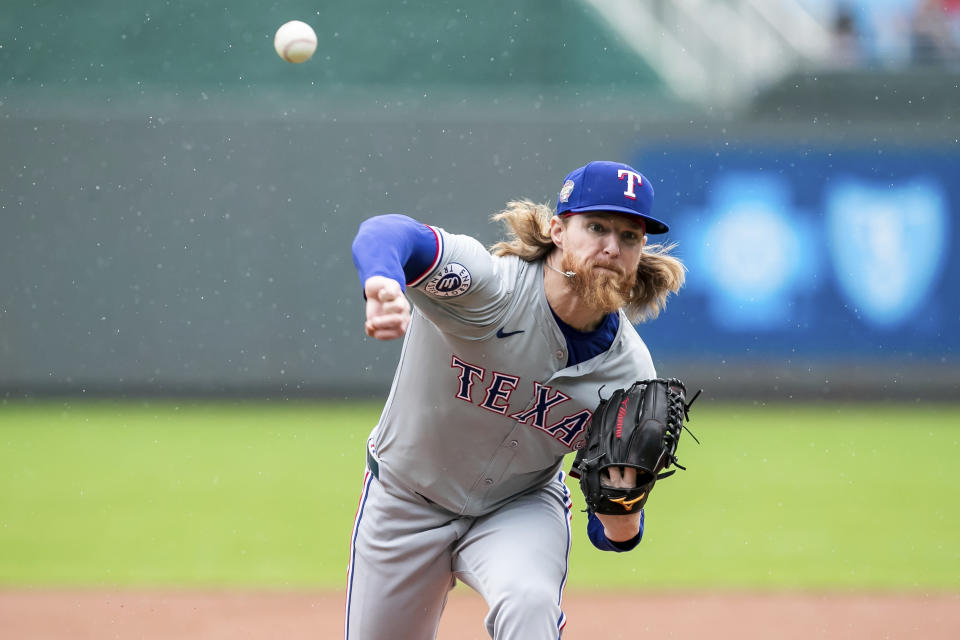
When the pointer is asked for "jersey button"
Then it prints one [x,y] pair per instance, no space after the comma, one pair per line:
[513,443]
[488,481]
[559,354]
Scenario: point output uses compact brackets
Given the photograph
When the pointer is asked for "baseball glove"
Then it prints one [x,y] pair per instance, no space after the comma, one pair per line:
[637,427]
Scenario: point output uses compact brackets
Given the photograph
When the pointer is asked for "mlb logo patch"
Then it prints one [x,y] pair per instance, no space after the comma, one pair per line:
[566,190]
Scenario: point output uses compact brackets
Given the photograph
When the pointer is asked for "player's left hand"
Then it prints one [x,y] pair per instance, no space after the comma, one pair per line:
[620,528]
[388,310]
[631,441]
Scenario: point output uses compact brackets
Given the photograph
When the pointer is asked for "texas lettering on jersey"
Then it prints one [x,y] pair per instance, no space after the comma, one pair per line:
[496,398]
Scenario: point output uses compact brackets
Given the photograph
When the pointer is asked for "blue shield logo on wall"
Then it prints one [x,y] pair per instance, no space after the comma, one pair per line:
[752,252]
[888,245]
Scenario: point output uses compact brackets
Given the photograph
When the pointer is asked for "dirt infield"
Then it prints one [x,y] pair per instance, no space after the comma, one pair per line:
[188,615]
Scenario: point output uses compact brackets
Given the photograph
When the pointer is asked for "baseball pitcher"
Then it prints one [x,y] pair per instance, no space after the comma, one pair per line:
[506,354]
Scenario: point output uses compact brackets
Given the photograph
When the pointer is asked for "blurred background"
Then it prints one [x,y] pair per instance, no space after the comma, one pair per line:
[185,386]
[177,202]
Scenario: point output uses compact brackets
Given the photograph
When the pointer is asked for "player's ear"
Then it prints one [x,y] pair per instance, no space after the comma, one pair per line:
[557,227]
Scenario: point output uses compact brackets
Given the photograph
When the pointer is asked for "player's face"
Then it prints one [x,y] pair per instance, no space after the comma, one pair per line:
[610,239]
[604,250]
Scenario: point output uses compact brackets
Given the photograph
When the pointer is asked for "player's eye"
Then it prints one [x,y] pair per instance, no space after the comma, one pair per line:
[630,237]
[596,227]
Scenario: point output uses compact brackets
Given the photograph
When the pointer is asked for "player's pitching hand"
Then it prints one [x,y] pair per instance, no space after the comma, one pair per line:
[388,311]
[620,528]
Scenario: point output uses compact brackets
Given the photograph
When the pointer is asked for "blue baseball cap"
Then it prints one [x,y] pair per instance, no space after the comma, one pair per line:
[609,186]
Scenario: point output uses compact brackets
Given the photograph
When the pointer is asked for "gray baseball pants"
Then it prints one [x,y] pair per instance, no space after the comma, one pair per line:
[407,553]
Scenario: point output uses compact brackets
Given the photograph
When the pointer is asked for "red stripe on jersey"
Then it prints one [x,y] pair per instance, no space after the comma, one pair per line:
[433,265]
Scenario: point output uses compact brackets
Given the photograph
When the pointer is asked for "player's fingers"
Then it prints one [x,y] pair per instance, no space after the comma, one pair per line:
[606,476]
[387,334]
[390,291]
[622,477]
[381,288]
[385,321]
[396,305]
[374,310]
[384,316]
[382,333]
[387,326]
[616,476]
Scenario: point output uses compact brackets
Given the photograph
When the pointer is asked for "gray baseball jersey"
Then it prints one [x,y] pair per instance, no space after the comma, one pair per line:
[483,407]
[463,476]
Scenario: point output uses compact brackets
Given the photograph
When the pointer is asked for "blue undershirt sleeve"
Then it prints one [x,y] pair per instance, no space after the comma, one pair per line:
[600,540]
[395,246]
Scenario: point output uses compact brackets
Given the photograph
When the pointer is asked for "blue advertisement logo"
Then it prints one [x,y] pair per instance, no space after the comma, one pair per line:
[752,251]
[887,245]
[838,254]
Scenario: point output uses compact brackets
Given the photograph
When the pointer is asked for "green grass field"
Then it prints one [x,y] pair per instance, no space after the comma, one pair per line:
[263,495]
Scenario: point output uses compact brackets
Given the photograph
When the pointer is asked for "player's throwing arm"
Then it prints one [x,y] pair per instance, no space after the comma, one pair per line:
[388,311]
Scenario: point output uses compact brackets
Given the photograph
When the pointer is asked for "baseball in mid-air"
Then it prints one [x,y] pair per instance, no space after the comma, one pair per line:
[295,41]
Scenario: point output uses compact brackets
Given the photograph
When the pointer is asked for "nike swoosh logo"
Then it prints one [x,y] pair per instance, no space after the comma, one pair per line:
[506,334]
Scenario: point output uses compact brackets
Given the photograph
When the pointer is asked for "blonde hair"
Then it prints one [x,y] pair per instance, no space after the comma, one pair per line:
[528,237]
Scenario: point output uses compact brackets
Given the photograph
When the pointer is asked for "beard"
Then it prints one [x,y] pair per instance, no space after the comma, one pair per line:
[600,289]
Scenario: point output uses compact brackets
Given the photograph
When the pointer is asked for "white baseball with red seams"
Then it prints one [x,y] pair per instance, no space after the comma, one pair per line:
[295,41]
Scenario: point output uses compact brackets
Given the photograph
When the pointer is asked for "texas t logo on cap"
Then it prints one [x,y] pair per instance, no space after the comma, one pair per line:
[609,186]
[630,176]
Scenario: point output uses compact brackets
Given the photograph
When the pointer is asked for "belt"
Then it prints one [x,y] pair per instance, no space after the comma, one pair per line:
[373,465]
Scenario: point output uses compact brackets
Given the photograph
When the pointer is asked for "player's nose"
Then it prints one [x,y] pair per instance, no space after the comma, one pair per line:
[611,246]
